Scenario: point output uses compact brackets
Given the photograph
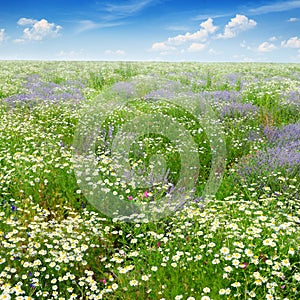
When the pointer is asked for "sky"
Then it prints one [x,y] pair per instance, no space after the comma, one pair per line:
[151,30]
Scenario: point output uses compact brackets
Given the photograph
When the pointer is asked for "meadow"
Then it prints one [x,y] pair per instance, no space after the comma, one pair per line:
[237,237]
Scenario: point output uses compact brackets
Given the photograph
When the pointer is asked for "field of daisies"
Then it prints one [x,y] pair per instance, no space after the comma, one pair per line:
[241,242]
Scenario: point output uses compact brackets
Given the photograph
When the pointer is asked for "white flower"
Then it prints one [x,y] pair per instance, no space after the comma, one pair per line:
[133,282]
[297,276]
[222,291]
[224,250]
[145,277]
[236,284]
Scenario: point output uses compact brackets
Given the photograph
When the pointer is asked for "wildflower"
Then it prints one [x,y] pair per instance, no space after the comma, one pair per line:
[248,252]
[285,263]
[244,265]
[224,250]
[235,262]
[133,282]
[252,294]
[297,276]
[145,277]
[215,261]
[228,291]
[228,269]
[222,292]
[236,284]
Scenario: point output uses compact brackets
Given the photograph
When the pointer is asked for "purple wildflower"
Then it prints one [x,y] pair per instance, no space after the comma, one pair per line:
[236,108]
[37,91]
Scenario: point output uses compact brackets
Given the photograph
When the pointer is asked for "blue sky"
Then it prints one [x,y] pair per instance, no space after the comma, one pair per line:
[151,30]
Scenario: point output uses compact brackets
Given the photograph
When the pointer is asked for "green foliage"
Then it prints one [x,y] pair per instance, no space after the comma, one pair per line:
[243,243]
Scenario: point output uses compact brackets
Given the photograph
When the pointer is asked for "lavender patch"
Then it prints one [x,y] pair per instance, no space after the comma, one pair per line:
[36,92]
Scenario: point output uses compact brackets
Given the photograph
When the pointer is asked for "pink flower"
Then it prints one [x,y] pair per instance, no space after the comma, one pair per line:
[158,244]
[103,280]
[244,265]
[146,195]
[129,197]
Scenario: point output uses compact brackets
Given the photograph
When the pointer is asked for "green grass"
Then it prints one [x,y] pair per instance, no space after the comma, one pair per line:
[243,243]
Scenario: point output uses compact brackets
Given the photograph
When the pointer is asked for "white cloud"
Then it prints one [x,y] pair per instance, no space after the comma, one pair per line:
[275,7]
[196,47]
[38,30]
[19,41]
[120,52]
[177,28]
[128,9]
[293,42]
[117,52]
[293,20]
[2,35]
[85,25]
[243,44]
[266,47]
[164,53]
[201,35]
[207,16]
[273,39]
[236,25]
[71,55]
[26,21]
[161,46]
[214,52]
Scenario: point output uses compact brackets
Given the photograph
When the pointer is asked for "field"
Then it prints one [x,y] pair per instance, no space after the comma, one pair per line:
[197,198]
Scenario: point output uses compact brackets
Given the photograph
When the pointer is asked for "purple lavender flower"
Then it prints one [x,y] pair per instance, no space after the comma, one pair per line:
[236,108]
[124,89]
[282,154]
[292,98]
[286,135]
[159,94]
[221,97]
[37,91]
